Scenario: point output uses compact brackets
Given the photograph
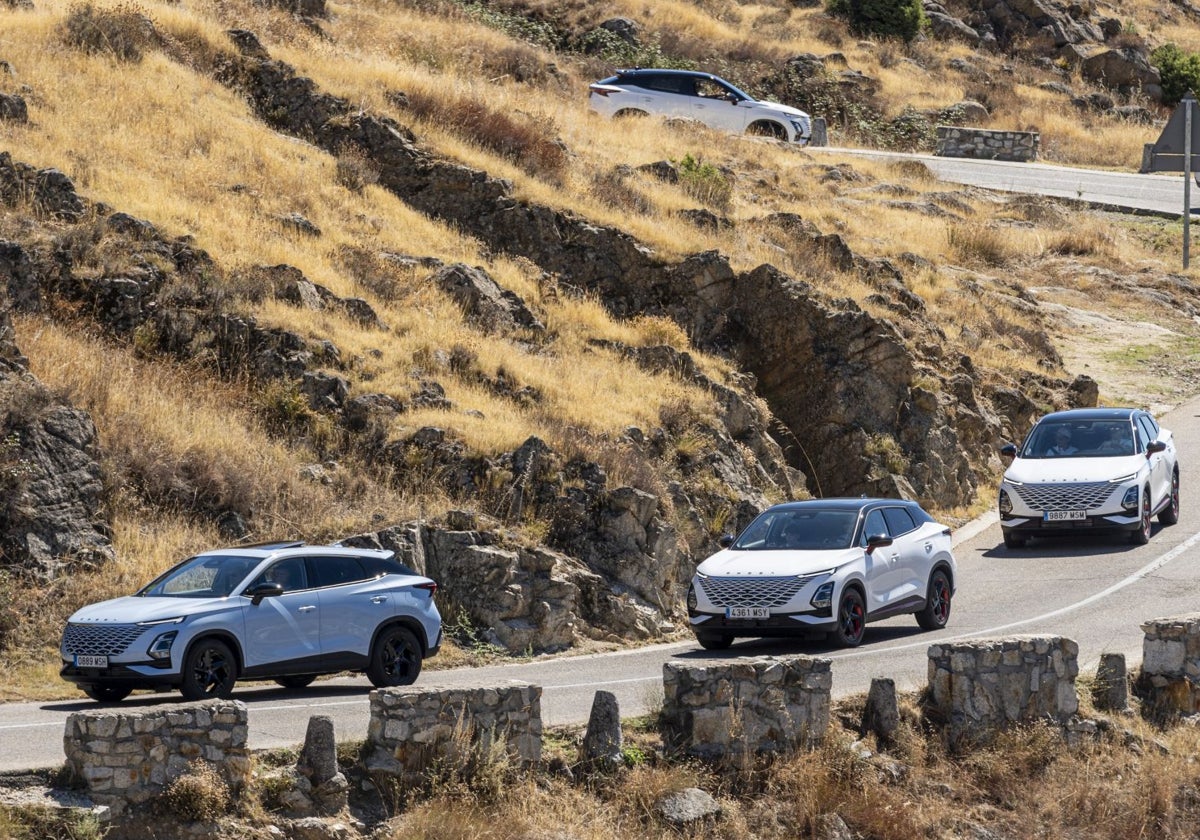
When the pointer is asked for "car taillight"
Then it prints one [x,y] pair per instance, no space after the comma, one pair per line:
[595,91]
[430,587]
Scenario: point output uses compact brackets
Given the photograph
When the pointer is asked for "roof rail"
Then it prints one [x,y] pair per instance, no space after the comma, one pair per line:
[274,544]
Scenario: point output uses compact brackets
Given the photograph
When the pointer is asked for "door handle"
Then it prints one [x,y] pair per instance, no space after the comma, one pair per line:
[379,599]
[308,608]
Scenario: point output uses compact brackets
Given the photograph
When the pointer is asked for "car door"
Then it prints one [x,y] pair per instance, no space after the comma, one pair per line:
[669,94]
[1159,462]
[713,106]
[880,564]
[353,603]
[914,555]
[283,631]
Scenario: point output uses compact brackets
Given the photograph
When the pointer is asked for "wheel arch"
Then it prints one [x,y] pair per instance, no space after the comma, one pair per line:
[764,126]
[408,623]
[225,636]
[943,565]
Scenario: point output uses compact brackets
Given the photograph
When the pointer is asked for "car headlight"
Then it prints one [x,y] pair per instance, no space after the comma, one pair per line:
[1005,503]
[1123,479]
[176,620]
[823,597]
[160,648]
[1130,501]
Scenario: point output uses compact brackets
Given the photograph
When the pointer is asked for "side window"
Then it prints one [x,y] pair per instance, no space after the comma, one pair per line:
[875,524]
[1148,424]
[899,521]
[289,573]
[709,89]
[380,566]
[332,571]
[1143,437]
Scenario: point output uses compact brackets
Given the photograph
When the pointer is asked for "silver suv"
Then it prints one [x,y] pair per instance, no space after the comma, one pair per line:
[283,611]
[699,96]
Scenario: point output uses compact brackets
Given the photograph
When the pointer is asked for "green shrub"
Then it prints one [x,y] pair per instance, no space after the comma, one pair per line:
[704,182]
[1180,71]
[902,19]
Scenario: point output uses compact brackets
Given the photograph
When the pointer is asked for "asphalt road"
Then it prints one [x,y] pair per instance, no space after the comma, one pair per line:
[1095,590]
[1156,194]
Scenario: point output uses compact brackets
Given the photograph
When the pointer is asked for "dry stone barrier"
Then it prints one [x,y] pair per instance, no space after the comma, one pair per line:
[986,144]
[1170,677]
[412,728]
[977,688]
[129,757]
[736,708]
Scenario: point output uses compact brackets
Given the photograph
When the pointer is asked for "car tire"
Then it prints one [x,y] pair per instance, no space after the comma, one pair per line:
[1170,514]
[851,618]
[395,658]
[209,670]
[1014,540]
[714,641]
[936,613]
[106,693]
[1141,534]
[630,114]
[296,681]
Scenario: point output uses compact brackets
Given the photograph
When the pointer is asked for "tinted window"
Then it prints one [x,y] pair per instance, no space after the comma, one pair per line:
[1148,425]
[379,566]
[874,525]
[332,571]
[1143,436]
[684,85]
[899,520]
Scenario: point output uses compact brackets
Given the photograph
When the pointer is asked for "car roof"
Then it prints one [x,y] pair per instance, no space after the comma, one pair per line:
[641,71]
[274,549]
[840,504]
[1092,414]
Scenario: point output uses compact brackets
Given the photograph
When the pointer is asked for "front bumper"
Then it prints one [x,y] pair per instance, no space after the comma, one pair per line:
[791,624]
[1034,525]
[131,676]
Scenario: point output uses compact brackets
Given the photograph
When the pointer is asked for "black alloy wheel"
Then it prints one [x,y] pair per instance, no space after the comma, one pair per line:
[852,618]
[209,671]
[936,613]
[395,658]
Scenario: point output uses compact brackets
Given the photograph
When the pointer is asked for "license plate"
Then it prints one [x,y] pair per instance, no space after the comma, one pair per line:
[91,661]
[1065,515]
[747,612]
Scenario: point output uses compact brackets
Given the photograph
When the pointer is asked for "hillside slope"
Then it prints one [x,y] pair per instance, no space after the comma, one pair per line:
[373,270]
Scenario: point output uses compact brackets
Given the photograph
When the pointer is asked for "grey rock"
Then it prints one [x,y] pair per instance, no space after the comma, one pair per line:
[602,741]
[688,806]
[13,108]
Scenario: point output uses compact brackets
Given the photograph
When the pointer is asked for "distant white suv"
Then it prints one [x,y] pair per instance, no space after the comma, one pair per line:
[1090,469]
[699,96]
[285,612]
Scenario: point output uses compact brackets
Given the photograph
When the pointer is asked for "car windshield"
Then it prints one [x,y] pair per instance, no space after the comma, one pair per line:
[206,576]
[806,529]
[1080,439]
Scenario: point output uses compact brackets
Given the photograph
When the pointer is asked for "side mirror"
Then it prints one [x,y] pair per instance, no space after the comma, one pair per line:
[266,589]
[1155,446]
[725,541]
[1009,450]
[877,541]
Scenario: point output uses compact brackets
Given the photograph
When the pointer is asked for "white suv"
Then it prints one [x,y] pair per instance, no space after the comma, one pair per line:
[1087,470]
[699,96]
[824,566]
[284,611]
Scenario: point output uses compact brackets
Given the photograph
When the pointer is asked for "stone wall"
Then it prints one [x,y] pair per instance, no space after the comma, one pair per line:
[736,708]
[411,727]
[128,757]
[985,144]
[977,688]
[1170,676]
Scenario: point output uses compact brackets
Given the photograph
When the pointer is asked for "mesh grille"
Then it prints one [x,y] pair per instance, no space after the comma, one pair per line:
[752,592]
[99,639]
[1082,496]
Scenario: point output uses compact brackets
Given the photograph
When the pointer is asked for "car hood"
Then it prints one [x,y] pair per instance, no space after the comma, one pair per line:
[1072,470]
[778,563]
[132,609]
[787,110]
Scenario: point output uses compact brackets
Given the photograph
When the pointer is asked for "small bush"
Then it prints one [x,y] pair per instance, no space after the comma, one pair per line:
[198,795]
[1180,71]
[124,31]
[704,182]
[902,19]
[355,169]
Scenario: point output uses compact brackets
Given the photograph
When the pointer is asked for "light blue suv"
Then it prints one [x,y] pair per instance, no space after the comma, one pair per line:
[286,612]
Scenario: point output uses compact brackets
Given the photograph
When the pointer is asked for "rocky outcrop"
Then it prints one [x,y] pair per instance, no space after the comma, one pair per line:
[844,450]
[1127,70]
[51,482]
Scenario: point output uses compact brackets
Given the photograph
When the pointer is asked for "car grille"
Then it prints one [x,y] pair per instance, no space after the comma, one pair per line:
[1082,496]
[99,639]
[752,591]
